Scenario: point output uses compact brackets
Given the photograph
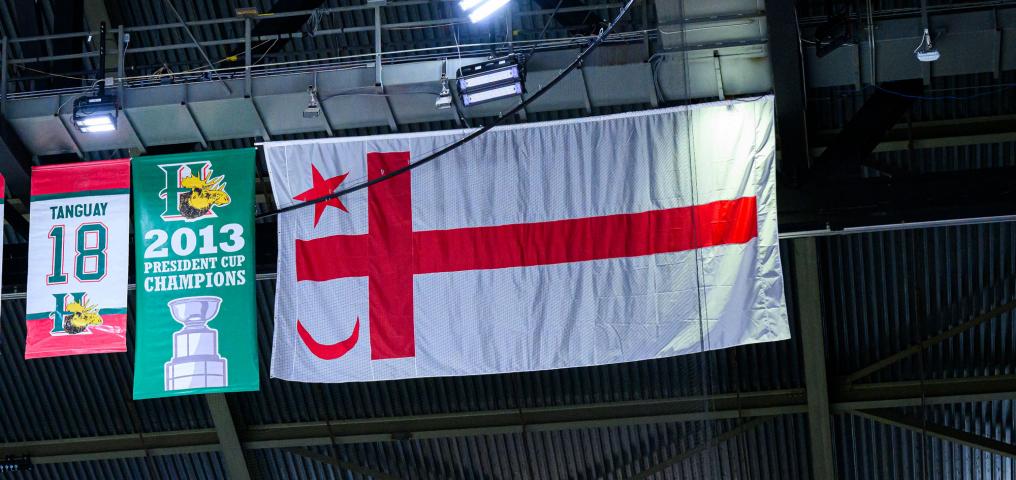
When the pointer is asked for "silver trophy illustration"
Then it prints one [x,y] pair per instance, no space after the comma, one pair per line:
[196,362]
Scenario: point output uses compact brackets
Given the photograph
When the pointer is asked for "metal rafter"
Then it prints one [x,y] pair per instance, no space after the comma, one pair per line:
[676,459]
[943,432]
[340,465]
[946,334]
[788,85]
[225,429]
[542,419]
[806,280]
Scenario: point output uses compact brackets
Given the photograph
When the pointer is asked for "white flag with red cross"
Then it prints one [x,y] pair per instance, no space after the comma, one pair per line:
[538,246]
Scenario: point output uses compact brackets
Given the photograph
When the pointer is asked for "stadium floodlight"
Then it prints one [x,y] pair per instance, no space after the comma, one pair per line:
[95,114]
[313,107]
[505,91]
[491,80]
[467,5]
[925,52]
[481,9]
[444,99]
[486,10]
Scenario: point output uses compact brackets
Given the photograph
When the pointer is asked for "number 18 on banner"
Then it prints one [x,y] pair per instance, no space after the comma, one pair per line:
[195,274]
[78,247]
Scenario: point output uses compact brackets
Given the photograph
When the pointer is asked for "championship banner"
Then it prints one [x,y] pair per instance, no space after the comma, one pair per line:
[78,247]
[538,246]
[194,235]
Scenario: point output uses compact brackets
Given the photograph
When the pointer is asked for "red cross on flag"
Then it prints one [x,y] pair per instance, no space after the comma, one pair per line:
[539,246]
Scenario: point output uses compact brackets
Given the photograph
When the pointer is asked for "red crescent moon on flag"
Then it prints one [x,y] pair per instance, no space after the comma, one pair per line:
[329,352]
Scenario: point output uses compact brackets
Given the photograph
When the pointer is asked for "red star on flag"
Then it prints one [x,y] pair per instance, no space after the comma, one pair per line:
[321,188]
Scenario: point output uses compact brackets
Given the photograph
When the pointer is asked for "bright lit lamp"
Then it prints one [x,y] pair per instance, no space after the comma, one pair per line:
[494,79]
[481,9]
[95,114]
[925,51]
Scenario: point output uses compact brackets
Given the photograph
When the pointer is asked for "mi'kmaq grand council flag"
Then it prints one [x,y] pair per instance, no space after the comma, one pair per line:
[539,246]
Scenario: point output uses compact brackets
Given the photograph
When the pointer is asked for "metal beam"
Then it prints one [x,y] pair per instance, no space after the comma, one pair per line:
[96,13]
[668,462]
[341,465]
[867,201]
[115,446]
[225,429]
[937,134]
[788,85]
[201,50]
[492,422]
[194,121]
[809,304]
[857,140]
[379,82]
[867,396]
[930,341]
[943,432]
[261,120]
[4,47]
[13,161]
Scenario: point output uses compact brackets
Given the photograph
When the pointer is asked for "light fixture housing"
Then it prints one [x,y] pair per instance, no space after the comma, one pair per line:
[496,93]
[313,109]
[444,99]
[508,74]
[492,80]
[481,9]
[95,113]
[925,51]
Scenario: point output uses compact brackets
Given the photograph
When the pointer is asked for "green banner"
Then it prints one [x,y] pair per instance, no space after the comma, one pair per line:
[194,234]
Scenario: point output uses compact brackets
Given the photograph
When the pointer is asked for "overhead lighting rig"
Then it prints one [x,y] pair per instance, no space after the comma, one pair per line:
[97,113]
[313,106]
[925,51]
[444,99]
[247,12]
[492,80]
[15,464]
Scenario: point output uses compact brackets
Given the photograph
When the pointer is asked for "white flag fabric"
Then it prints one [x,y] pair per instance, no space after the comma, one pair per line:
[538,246]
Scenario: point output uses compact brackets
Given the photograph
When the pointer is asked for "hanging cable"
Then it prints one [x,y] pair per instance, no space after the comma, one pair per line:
[197,44]
[543,34]
[472,136]
[711,461]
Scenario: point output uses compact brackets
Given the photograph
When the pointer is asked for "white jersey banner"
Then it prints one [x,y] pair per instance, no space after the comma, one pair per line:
[538,246]
[78,244]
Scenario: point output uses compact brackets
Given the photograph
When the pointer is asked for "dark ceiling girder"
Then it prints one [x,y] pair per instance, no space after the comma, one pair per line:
[788,85]
[935,134]
[880,112]
[727,405]
[981,442]
[30,20]
[858,202]
[583,23]
[279,26]
[14,166]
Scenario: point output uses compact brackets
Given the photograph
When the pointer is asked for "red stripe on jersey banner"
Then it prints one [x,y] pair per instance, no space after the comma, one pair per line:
[81,177]
[109,337]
